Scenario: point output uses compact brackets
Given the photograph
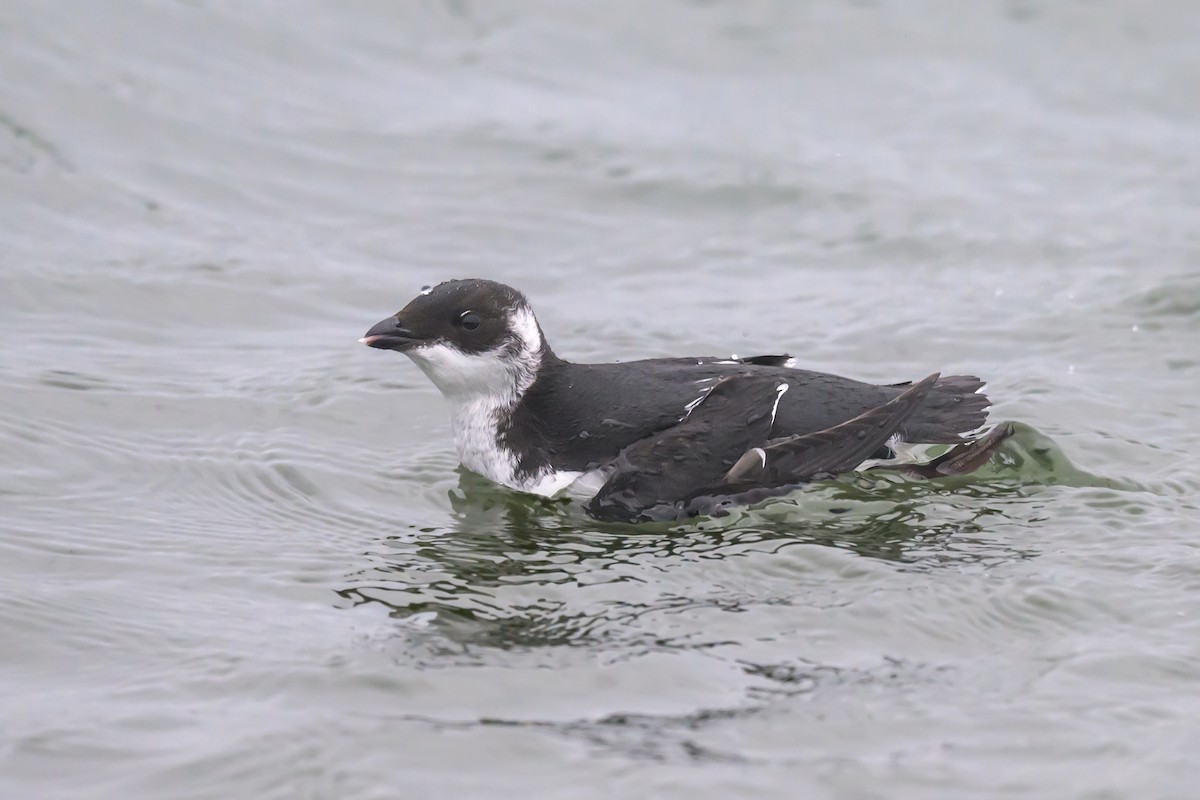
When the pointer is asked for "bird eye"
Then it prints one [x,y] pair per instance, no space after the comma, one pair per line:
[469,321]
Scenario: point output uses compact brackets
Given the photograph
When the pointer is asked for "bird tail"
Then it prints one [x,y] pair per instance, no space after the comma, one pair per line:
[954,406]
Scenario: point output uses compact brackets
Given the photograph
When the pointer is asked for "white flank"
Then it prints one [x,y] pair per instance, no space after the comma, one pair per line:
[551,483]
[588,483]
[905,453]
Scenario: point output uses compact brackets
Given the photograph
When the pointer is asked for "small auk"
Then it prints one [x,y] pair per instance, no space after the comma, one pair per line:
[663,438]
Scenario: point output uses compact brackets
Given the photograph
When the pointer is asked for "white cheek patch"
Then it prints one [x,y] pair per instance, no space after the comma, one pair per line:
[482,389]
[456,373]
[525,326]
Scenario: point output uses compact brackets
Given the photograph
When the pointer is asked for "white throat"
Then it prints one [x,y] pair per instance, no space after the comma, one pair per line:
[482,389]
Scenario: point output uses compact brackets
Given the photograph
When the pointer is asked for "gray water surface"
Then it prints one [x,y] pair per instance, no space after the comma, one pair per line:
[236,556]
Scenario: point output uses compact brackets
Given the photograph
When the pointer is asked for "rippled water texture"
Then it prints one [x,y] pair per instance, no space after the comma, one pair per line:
[237,559]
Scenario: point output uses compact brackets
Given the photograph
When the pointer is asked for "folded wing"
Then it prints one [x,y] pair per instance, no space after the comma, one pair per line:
[724,449]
